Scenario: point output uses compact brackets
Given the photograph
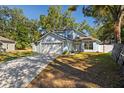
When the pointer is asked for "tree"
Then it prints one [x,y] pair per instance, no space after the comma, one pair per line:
[73,8]
[14,25]
[33,26]
[107,14]
[25,29]
[19,30]
[56,20]
[4,20]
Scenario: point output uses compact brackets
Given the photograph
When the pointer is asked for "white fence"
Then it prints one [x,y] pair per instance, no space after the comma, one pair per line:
[105,48]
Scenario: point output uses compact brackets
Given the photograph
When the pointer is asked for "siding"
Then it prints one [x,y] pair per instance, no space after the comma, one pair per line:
[8,46]
[34,47]
[48,43]
[67,46]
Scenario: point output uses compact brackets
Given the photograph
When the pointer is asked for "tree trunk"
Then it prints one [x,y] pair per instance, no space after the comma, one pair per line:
[117,31]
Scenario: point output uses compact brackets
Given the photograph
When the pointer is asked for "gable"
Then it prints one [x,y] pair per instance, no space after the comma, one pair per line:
[70,34]
[51,38]
[78,34]
[74,34]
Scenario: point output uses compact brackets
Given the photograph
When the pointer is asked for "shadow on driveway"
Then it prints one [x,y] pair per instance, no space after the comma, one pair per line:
[18,73]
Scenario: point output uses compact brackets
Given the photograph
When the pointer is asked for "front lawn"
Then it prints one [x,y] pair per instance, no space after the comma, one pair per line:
[80,70]
[15,54]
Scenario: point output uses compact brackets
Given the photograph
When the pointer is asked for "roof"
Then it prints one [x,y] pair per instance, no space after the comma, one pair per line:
[78,32]
[6,40]
[82,37]
[65,38]
[57,31]
[59,36]
[88,38]
[69,30]
[53,34]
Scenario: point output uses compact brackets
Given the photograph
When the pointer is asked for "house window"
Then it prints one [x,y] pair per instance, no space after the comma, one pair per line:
[88,45]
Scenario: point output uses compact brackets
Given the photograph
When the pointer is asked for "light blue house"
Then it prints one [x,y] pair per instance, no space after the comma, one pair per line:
[57,42]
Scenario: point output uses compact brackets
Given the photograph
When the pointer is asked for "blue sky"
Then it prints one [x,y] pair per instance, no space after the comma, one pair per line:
[34,11]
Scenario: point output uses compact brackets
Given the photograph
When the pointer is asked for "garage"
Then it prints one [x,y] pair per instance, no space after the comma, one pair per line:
[51,48]
[50,43]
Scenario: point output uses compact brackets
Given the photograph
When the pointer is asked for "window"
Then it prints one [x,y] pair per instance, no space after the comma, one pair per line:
[88,45]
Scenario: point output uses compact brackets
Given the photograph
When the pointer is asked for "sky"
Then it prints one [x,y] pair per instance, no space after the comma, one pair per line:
[34,11]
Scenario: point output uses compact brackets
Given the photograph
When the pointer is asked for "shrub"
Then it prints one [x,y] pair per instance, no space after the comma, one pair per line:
[65,52]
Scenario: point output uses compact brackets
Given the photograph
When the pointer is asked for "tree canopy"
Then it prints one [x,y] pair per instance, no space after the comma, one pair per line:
[56,20]
[110,16]
[109,19]
[61,20]
[14,25]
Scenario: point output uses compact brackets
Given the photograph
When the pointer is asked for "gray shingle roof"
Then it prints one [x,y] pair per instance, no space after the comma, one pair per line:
[6,40]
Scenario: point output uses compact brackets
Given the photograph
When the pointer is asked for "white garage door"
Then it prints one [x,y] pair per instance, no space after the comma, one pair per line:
[51,48]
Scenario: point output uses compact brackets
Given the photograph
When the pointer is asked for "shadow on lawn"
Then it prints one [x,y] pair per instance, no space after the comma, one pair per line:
[93,71]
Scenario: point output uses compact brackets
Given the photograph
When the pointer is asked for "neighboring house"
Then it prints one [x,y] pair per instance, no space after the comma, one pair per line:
[60,41]
[6,44]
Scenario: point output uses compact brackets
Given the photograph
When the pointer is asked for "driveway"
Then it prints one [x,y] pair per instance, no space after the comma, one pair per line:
[18,73]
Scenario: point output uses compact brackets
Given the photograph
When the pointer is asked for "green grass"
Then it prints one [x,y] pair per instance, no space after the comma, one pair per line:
[14,55]
[80,70]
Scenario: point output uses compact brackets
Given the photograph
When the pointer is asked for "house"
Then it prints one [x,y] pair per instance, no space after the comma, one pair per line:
[57,42]
[6,44]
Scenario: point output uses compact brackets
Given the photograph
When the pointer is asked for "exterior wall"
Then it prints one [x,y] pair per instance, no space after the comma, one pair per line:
[49,44]
[67,46]
[51,48]
[105,48]
[75,35]
[34,47]
[82,46]
[8,46]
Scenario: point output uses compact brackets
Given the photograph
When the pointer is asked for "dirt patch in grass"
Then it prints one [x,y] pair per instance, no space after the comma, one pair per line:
[83,70]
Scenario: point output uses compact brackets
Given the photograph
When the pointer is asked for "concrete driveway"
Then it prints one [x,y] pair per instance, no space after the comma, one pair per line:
[18,73]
